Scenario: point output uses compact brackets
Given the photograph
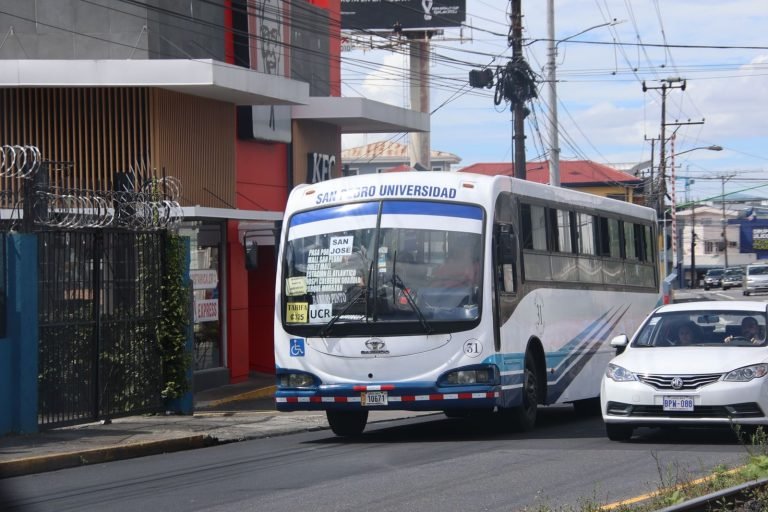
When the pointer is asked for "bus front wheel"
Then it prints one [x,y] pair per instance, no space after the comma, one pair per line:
[523,417]
[347,423]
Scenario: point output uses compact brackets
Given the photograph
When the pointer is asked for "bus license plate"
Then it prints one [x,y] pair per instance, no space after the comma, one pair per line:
[372,398]
[678,403]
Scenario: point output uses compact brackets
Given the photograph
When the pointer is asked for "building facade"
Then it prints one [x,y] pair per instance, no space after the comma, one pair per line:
[238,100]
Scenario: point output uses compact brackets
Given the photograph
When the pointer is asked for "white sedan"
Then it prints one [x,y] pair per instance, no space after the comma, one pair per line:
[694,364]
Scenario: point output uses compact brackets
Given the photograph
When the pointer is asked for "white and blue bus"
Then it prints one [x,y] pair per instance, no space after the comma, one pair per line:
[366,320]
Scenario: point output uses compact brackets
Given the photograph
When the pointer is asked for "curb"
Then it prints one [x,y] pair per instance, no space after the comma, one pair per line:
[57,461]
[248,395]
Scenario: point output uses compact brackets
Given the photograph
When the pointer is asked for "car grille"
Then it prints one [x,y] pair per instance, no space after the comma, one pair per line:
[689,381]
[744,410]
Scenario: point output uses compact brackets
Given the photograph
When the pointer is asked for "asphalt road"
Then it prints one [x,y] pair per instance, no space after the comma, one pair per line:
[426,464]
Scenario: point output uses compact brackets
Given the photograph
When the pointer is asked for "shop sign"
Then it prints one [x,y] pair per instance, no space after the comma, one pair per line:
[204,279]
[206,310]
[320,167]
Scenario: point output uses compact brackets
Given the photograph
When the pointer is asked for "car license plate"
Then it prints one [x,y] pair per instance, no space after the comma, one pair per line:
[373,398]
[678,403]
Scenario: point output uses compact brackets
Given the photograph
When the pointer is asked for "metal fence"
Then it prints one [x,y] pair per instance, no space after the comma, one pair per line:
[99,310]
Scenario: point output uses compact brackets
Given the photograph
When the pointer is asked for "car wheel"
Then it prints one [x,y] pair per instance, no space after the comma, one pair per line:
[523,417]
[706,288]
[618,432]
[725,288]
[745,292]
[347,423]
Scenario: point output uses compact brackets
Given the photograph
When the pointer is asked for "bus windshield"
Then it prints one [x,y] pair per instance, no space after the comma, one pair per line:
[387,267]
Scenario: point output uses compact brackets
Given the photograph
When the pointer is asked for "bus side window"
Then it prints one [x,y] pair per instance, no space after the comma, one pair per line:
[506,258]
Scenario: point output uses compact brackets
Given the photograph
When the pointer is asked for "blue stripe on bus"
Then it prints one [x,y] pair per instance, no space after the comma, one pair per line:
[432,208]
[335,212]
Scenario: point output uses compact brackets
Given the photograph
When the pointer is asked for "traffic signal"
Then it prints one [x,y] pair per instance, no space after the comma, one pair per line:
[480,78]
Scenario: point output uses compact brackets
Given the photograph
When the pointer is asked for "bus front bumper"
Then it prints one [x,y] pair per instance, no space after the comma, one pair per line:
[387,397]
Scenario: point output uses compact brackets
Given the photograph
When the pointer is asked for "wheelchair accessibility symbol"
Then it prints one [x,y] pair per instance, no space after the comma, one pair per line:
[297,347]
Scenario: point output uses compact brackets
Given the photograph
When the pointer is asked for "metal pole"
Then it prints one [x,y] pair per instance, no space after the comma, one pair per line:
[554,150]
[725,223]
[419,148]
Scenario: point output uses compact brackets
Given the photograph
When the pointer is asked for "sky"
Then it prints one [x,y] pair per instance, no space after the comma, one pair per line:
[719,47]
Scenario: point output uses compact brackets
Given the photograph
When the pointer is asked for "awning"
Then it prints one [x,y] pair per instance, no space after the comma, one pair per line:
[199,77]
[361,115]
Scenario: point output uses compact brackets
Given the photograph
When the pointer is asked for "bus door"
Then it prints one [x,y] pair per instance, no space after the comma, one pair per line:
[505,278]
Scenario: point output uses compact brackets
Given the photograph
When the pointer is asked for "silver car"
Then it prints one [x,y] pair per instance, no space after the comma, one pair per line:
[756,279]
[732,278]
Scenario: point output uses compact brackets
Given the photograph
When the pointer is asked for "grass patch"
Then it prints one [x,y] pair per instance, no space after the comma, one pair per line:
[677,484]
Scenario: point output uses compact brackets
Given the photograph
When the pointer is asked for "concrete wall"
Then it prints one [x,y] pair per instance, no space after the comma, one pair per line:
[111,29]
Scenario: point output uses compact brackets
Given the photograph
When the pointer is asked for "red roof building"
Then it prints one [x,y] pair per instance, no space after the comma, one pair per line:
[584,175]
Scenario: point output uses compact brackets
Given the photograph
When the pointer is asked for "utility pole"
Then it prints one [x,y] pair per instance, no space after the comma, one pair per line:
[519,109]
[694,281]
[723,179]
[515,83]
[666,84]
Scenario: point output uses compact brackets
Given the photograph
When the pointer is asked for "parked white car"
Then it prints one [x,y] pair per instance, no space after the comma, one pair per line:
[689,364]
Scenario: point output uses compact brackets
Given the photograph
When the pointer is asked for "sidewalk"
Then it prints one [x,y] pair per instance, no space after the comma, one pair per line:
[234,412]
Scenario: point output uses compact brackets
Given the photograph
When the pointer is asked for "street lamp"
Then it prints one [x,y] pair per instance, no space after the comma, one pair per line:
[554,150]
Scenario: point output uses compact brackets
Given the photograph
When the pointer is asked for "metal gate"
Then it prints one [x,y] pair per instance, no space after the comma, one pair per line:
[100,305]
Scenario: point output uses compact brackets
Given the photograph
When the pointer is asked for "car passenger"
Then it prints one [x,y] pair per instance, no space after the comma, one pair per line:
[686,333]
[750,330]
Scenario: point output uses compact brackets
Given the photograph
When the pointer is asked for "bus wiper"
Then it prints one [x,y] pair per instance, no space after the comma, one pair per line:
[399,284]
[326,329]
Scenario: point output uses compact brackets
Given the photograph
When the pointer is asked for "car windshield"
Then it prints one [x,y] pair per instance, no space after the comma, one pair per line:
[714,273]
[703,328]
[384,267]
[758,271]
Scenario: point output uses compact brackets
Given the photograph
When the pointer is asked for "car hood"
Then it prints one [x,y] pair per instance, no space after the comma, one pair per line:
[688,360]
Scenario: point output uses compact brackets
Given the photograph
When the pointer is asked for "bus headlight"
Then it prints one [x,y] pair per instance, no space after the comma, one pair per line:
[296,380]
[468,376]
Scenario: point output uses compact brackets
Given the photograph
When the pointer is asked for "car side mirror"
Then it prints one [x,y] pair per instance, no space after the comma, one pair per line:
[620,343]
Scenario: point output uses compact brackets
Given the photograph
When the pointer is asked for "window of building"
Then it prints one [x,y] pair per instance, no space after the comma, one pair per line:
[437,168]
[206,273]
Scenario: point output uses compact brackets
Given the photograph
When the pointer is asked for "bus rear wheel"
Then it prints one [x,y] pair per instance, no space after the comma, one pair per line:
[347,423]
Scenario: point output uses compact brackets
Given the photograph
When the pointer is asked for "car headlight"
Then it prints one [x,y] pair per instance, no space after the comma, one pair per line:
[747,373]
[619,374]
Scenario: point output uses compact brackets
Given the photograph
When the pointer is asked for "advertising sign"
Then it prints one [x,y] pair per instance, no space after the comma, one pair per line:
[408,14]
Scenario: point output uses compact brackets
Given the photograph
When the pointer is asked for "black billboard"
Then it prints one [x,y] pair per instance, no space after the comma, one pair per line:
[403,14]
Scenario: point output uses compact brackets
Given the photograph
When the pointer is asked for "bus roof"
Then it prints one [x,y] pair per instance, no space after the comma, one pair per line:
[447,186]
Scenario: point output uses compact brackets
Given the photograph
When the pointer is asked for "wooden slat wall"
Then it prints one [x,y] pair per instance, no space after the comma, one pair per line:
[193,138]
[90,133]
[87,134]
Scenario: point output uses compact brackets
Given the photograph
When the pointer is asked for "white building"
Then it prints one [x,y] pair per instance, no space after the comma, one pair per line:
[710,251]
